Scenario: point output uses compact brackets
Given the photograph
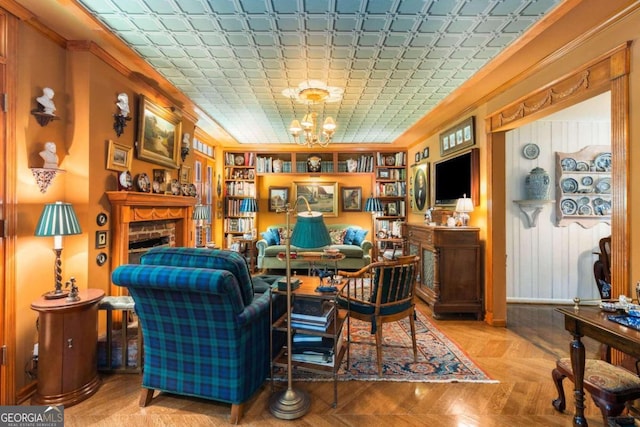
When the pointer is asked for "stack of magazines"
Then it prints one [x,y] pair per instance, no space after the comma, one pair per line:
[314,349]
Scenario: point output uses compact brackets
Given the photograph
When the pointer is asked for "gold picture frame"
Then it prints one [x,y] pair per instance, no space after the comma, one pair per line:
[322,197]
[159,132]
[185,174]
[458,137]
[119,157]
[419,187]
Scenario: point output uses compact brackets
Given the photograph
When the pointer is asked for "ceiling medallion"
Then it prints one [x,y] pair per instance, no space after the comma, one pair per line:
[313,92]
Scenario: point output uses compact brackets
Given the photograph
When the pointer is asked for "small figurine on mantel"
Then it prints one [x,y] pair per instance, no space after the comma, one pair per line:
[46,101]
[49,155]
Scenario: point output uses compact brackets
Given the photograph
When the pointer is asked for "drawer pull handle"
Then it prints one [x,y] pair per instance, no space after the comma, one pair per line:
[70,343]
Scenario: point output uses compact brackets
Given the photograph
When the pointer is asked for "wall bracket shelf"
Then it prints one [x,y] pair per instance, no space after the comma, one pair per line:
[44,177]
[531,209]
[43,119]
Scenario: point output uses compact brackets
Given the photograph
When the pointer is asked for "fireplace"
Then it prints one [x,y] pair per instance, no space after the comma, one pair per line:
[136,217]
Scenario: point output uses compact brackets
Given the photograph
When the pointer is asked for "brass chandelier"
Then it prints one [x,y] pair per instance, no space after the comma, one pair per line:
[313,92]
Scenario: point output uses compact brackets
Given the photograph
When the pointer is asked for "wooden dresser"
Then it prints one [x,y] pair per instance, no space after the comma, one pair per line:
[450,258]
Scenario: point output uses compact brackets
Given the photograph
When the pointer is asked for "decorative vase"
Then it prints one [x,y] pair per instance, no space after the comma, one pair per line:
[277,166]
[538,184]
[314,164]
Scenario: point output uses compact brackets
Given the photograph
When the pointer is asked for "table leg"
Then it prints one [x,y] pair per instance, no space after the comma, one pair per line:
[577,365]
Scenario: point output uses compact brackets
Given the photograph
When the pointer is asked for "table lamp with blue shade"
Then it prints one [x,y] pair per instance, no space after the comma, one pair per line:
[56,220]
[249,205]
[373,204]
[308,232]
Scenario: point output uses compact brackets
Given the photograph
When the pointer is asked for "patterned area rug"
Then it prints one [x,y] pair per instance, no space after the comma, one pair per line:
[439,359]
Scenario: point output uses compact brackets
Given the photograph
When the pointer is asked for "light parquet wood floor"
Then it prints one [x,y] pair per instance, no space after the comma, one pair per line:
[520,357]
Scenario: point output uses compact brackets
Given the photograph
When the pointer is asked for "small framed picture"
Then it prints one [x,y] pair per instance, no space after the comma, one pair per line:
[417,159]
[278,197]
[383,173]
[119,157]
[101,239]
[391,209]
[185,174]
[425,153]
[352,199]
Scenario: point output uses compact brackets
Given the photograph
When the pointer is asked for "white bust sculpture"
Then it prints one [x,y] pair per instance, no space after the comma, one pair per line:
[49,155]
[123,104]
[46,100]
[185,140]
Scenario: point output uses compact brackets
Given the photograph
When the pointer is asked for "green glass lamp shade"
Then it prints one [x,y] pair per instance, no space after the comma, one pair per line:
[58,219]
[310,231]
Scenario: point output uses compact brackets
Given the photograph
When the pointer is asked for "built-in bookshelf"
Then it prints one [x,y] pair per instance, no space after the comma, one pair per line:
[390,186]
[239,184]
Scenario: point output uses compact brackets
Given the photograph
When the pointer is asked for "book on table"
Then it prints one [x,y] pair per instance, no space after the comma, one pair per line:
[311,306]
[316,323]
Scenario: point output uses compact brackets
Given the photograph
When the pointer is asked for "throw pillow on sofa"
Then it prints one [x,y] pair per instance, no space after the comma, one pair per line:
[337,236]
[349,234]
[272,236]
[359,236]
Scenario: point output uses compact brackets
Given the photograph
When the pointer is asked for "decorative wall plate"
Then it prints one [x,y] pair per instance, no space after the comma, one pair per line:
[143,183]
[101,219]
[582,166]
[568,164]
[193,191]
[569,185]
[604,186]
[239,160]
[603,162]
[125,181]
[175,187]
[585,210]
[569,206]
[587,181]
[101,258]
[531,151]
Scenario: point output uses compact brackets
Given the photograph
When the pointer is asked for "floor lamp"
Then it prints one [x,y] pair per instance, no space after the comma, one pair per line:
[374,205]
[309,232]
[57,219]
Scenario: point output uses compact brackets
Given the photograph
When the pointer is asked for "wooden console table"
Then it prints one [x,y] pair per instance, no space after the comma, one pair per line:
[593,323]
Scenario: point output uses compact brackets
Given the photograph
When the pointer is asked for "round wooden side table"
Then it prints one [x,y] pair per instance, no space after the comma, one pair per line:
[68,342]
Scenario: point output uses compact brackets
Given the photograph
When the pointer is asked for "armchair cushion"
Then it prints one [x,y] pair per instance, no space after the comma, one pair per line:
[204,258]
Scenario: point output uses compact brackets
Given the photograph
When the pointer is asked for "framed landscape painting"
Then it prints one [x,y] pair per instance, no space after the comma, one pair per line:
[158,134]
[322,197]
[278,198]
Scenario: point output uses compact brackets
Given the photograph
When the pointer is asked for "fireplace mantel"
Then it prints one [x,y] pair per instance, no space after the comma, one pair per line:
[129,206]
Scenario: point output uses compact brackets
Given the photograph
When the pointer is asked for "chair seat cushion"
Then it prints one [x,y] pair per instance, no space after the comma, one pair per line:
[369,309]
[349,251]
[604,375]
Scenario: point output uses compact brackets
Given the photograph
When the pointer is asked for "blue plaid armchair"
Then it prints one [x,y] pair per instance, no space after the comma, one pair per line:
[206,332]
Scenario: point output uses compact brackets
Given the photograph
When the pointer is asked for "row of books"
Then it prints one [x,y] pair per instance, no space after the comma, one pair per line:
[316,349]
[399,157]
[232,208]
[238,225]
[392,189]
[241,188]
[231,159]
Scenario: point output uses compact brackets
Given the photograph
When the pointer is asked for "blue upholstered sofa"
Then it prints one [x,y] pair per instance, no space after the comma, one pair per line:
[205,328]
[357,252]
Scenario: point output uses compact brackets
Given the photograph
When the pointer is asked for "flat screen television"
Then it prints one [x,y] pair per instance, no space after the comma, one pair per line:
[456,176]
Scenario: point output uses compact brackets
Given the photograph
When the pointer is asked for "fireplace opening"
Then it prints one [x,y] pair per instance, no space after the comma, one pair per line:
[137,249]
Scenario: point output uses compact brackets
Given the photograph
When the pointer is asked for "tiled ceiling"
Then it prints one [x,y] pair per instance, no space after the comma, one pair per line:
[395,59]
